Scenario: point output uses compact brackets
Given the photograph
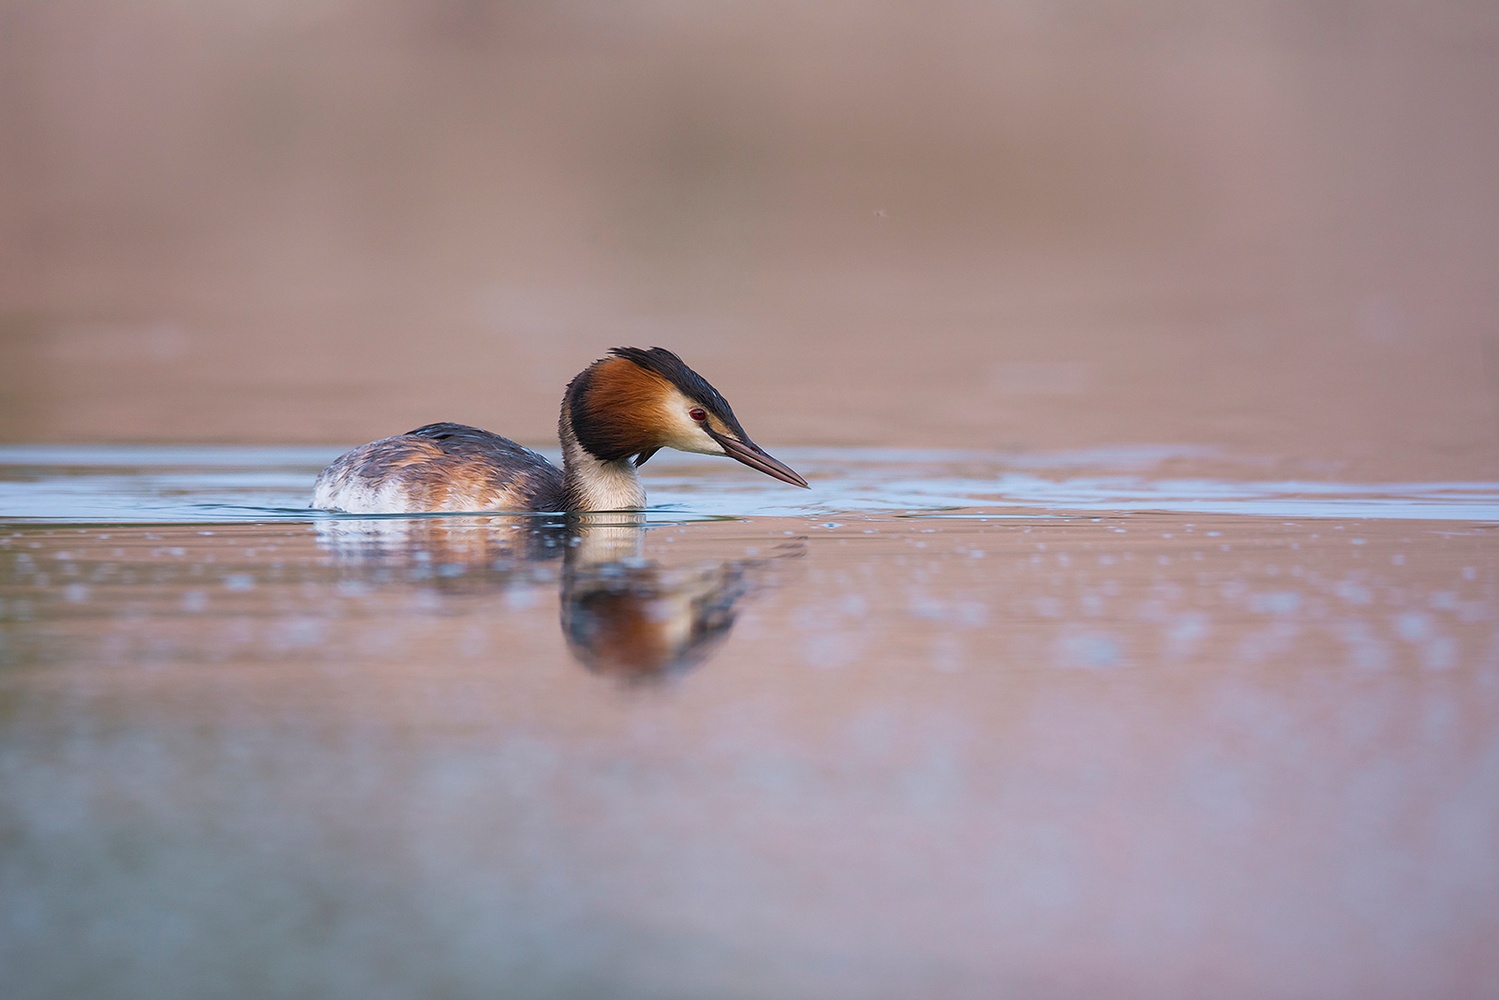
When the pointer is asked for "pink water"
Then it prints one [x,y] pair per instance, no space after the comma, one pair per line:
[1139,637]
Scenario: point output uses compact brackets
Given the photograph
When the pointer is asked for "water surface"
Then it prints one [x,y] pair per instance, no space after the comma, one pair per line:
[951,724]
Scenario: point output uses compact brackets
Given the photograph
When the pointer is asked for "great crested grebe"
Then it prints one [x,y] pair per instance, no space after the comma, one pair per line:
[616,414]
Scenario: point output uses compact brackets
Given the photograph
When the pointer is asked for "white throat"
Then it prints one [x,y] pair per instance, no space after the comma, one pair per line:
[593,484]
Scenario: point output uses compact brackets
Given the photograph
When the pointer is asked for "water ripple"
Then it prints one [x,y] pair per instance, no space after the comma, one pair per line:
[196,484]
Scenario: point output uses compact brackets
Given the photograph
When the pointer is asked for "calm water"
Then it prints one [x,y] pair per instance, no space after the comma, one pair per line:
[1136,722]
[1037,717]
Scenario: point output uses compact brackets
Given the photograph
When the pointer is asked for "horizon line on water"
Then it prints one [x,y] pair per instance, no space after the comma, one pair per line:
[192,484]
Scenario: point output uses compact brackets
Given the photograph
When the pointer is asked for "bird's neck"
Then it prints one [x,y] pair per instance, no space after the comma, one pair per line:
[590,483]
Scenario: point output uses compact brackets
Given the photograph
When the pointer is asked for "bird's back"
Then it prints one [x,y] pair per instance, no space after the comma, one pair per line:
[439,467]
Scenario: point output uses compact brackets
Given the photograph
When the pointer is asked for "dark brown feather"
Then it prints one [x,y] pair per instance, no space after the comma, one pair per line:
[692,385]
[448,467]
[614,406]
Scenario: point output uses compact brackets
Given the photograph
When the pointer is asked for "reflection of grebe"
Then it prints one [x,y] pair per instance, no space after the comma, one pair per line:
[621,614]
[645,621]
[628,617]
[454,555]
[616,414]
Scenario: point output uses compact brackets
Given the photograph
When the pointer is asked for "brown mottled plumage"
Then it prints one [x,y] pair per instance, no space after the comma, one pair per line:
[442,467]
[616,414]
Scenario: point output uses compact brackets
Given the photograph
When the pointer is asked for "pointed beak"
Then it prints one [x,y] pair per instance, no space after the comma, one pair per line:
[751,455]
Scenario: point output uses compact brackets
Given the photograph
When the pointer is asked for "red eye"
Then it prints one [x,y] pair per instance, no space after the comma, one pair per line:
[697,414]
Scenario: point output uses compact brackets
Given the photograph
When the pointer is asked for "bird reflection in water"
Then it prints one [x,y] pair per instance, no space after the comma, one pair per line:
[627,616]
[622,614]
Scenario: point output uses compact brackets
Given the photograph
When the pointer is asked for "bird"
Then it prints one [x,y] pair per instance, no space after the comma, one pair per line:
[616,414]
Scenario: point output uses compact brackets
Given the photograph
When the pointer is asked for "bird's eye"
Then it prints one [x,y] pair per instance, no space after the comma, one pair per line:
[697,414]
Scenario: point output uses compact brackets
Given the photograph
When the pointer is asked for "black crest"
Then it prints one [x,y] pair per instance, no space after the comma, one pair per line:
[692,385]
[614,436]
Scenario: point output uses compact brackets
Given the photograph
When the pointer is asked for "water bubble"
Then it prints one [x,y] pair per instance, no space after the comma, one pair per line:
[1276,602]
[1353,592]
[1090,650]
[1413,626]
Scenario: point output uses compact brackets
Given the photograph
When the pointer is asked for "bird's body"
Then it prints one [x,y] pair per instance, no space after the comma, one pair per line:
[615,415]
[439,467]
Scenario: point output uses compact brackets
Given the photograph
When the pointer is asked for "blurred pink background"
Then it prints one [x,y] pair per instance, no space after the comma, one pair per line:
[1271,227]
